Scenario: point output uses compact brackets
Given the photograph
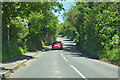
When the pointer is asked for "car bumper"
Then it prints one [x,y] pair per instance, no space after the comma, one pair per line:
[56,48]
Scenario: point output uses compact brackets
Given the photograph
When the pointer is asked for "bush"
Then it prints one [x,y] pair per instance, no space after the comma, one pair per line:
[75,40]
[42,42]
[55,37]
[21,50]
[113,54]
[25,49]
[10,51]
[60,35]
[30,46]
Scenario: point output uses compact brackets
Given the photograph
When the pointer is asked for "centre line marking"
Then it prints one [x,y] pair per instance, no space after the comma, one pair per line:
[65,59]
[79,72]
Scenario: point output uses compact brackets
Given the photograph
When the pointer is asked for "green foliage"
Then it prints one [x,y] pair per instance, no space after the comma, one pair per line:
[18,30]
[29,25]
[68,30]
[30,46]
[60,35]
[113,54]
[95,28]
[10,51]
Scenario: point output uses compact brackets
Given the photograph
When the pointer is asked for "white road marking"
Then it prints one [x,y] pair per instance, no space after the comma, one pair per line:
[79,72]
[65,59]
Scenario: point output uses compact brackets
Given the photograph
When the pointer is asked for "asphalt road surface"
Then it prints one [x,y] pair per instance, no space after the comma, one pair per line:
[66,63]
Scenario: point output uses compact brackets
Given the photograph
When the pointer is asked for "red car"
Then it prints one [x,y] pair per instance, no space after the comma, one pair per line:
[57,45]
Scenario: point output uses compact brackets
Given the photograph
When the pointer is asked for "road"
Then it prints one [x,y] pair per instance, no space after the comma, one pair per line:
[66,63]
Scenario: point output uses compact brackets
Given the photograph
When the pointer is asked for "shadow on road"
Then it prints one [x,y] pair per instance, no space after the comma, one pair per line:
[71,48]
[69,45]
[2,68]
[77,55]
[22,57]
[74,52]
[67,40]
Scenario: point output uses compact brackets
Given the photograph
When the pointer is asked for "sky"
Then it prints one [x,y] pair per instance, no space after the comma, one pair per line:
[66,5]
